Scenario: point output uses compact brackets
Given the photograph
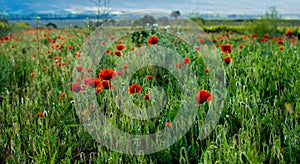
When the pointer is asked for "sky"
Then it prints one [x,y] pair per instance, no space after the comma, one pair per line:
[185,6]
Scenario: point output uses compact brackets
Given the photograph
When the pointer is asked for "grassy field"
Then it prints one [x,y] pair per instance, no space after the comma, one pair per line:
[40,124]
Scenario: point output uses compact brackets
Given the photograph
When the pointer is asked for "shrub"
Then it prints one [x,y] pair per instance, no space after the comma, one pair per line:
[268,24]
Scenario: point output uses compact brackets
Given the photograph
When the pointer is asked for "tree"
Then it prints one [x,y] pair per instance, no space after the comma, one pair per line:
[102,11]
[147,19]
[175,14]
[50,24]
[268,24]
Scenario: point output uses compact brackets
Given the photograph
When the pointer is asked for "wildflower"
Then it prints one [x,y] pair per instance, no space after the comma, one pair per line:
[280,41]
[120,73]
[254,35]
[197,48]
[39,114]
[70,47]
[281,48]
[147,96]
[186,60]
[227,60]
[134,88]
[168,124]
[264,40]
[118,53]
[120,47]
[98,88]
[94,82]
[79,68]
[124,66]
[89,70]
[227,48]
[107,74]
[289,32]
[32,74]
[76,88]
[149,77]
[153,40]
[203,96]
[106,84]
[206,70]
[179,65]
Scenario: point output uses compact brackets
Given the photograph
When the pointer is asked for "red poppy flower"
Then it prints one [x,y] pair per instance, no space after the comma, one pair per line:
[227,60]
[227,48]
[94,82]
[39,114]
[32,74]
[149,77]
[76,88]
[179,65]
[120,73]
[98,89]
[281,48]
[206,70]
[266,35]
[79,68]
[106,84]
[134,88]
[124,66]
[153,40]
[254,35]
[186,60]
[280,41]
[168,124]
[201,40]
[289,32]
[6,38]
[70,47]
[120,47]
[118,53]
[107,74]
[147,96]
[264,40]
[203,96]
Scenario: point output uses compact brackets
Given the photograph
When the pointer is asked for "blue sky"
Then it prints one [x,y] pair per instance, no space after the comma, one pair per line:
[185,6]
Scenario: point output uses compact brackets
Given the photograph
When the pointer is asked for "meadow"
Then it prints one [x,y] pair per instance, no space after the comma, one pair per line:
[44,73]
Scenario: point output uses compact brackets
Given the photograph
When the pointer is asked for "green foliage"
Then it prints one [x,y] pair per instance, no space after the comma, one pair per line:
[50,24]
[4,29]
[256,125]
[147,19]
[268,24]
[17,26]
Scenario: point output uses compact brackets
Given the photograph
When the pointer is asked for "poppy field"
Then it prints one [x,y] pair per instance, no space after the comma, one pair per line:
[45,72]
